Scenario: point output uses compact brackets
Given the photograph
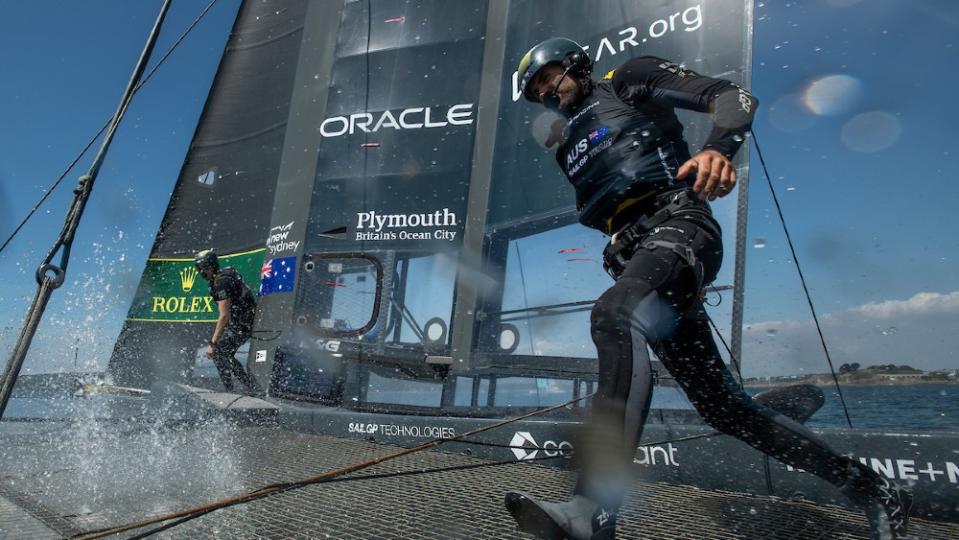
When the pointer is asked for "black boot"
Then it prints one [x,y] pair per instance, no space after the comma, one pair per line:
[576,519]
[887,506]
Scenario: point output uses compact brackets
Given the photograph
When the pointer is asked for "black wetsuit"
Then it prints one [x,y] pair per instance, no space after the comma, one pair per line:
[625,144]
[228,284]
[625,141]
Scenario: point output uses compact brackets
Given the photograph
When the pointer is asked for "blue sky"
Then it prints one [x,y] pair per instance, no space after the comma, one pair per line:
[871,210]
[65,65]
[855,123]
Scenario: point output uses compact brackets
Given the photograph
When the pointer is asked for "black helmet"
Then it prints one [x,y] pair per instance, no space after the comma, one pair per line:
[559,50]
[207,259]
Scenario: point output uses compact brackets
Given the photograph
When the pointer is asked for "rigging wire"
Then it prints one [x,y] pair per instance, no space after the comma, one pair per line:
[103,128]
[802,279]
[51,276]
[732,357]
[322,477]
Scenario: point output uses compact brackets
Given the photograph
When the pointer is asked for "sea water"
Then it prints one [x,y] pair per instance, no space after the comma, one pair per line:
[908,407]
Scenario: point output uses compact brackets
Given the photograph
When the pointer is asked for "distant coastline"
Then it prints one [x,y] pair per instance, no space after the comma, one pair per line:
[827,380]
[854,375]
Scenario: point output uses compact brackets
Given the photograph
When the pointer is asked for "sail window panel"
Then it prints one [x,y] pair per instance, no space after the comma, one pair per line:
[392,388]
[339,296]
[543,274]
[354,301]
[426,293]
[464,392]
[532,391]
[482,392]
[310,373]
[585,388]
[526,180]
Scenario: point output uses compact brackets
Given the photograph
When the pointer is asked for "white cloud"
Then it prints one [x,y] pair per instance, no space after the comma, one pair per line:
[921,304]
[919,331]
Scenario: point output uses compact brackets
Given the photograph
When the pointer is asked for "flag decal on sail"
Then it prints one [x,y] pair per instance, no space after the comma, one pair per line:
[277,275]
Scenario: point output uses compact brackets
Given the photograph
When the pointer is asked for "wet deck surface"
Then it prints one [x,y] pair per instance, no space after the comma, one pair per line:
[59,479]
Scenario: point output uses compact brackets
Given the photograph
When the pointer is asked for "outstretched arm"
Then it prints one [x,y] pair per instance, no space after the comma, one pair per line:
[663,83]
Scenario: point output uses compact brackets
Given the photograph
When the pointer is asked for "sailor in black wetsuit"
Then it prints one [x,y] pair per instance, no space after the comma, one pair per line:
[624,153]
[236,306]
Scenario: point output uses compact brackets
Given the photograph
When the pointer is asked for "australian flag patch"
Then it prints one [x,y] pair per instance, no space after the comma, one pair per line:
[598,134]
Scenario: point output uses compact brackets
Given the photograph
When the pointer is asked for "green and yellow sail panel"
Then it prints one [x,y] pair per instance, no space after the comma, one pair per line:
[173,291]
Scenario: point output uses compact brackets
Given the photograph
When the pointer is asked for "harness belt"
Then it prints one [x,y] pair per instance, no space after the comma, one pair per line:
[628,240]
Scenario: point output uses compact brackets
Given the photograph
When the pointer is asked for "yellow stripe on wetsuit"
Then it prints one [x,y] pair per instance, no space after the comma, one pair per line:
[623,206]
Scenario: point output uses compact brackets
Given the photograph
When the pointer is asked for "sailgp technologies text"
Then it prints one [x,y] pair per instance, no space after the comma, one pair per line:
[399,430]
[411,118]
[379,226]
[626,39]
[909,469]
[277,241]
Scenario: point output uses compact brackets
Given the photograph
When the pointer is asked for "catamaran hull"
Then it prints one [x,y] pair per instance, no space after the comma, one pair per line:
[927,462]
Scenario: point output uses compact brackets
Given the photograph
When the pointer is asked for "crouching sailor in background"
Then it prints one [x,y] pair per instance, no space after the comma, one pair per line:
[623,150]
[236,305]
